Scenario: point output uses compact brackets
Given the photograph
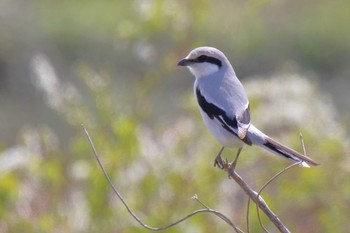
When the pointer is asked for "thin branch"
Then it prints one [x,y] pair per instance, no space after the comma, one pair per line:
[247,217]
[256,198]
[220,215]
[206,210]
[302,143]
[253,195]
[266,184]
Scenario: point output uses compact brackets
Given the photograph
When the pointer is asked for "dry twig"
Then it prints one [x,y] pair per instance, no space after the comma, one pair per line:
[253,195]
[266,184]
[259,201]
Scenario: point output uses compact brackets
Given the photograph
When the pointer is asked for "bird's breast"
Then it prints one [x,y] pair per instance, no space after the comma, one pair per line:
[226,138]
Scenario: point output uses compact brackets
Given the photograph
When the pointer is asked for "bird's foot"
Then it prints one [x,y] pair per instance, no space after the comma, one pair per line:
[219,162]
[232,167]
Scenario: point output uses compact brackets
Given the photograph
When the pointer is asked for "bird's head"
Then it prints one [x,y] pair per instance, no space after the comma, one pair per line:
[204,61]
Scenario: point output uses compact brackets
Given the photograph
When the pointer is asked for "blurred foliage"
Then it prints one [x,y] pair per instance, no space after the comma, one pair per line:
[111,65]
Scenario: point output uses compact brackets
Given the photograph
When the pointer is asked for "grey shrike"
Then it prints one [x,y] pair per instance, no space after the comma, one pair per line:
[224,106]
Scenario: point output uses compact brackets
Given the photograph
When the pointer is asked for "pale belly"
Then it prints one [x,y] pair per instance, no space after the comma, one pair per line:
[226,138]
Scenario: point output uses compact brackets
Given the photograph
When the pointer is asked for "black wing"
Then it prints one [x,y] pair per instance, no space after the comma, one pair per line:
[213,111]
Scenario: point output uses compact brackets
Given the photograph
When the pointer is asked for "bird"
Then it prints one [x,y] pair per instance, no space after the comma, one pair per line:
[224,107]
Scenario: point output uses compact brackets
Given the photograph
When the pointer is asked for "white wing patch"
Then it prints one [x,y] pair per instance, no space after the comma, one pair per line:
[243,122]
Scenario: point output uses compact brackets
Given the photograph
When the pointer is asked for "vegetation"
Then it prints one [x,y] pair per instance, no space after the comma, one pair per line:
[111,66]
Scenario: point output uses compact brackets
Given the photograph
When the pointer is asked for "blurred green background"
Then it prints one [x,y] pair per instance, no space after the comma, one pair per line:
[111,65]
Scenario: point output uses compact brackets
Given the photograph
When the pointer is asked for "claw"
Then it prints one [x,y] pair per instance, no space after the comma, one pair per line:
[224,164]
[219,162]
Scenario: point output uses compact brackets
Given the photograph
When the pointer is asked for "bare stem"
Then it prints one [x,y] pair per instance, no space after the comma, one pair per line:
[253,195]
[220,215]
[302,143]
[266,184]
[259,201]
[247,217]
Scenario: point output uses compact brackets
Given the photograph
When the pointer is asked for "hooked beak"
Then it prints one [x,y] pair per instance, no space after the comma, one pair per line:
[184,62]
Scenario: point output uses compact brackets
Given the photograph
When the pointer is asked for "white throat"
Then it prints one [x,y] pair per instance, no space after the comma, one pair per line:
[203,69]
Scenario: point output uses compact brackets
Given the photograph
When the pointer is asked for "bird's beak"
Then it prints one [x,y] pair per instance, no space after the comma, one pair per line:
[184,62]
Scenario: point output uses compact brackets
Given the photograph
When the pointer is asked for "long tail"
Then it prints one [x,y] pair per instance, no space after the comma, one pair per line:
[287,152]
[271,145]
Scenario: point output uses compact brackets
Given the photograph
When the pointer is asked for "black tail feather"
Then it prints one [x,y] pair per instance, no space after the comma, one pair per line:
[287,152]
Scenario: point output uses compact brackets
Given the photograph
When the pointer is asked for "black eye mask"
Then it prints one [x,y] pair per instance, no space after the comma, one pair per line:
[204,58]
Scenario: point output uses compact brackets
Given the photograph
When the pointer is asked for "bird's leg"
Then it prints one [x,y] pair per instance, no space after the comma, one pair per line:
[218,160]
[233,164]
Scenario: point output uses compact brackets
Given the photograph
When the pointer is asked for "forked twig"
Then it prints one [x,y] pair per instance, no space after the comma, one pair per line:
[220,215]
[266,184]
[257,199]
[206,210]
[275,177]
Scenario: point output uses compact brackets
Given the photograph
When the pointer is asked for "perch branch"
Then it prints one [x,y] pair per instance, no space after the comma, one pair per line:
[259,201]
[266,184]
[275,177]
